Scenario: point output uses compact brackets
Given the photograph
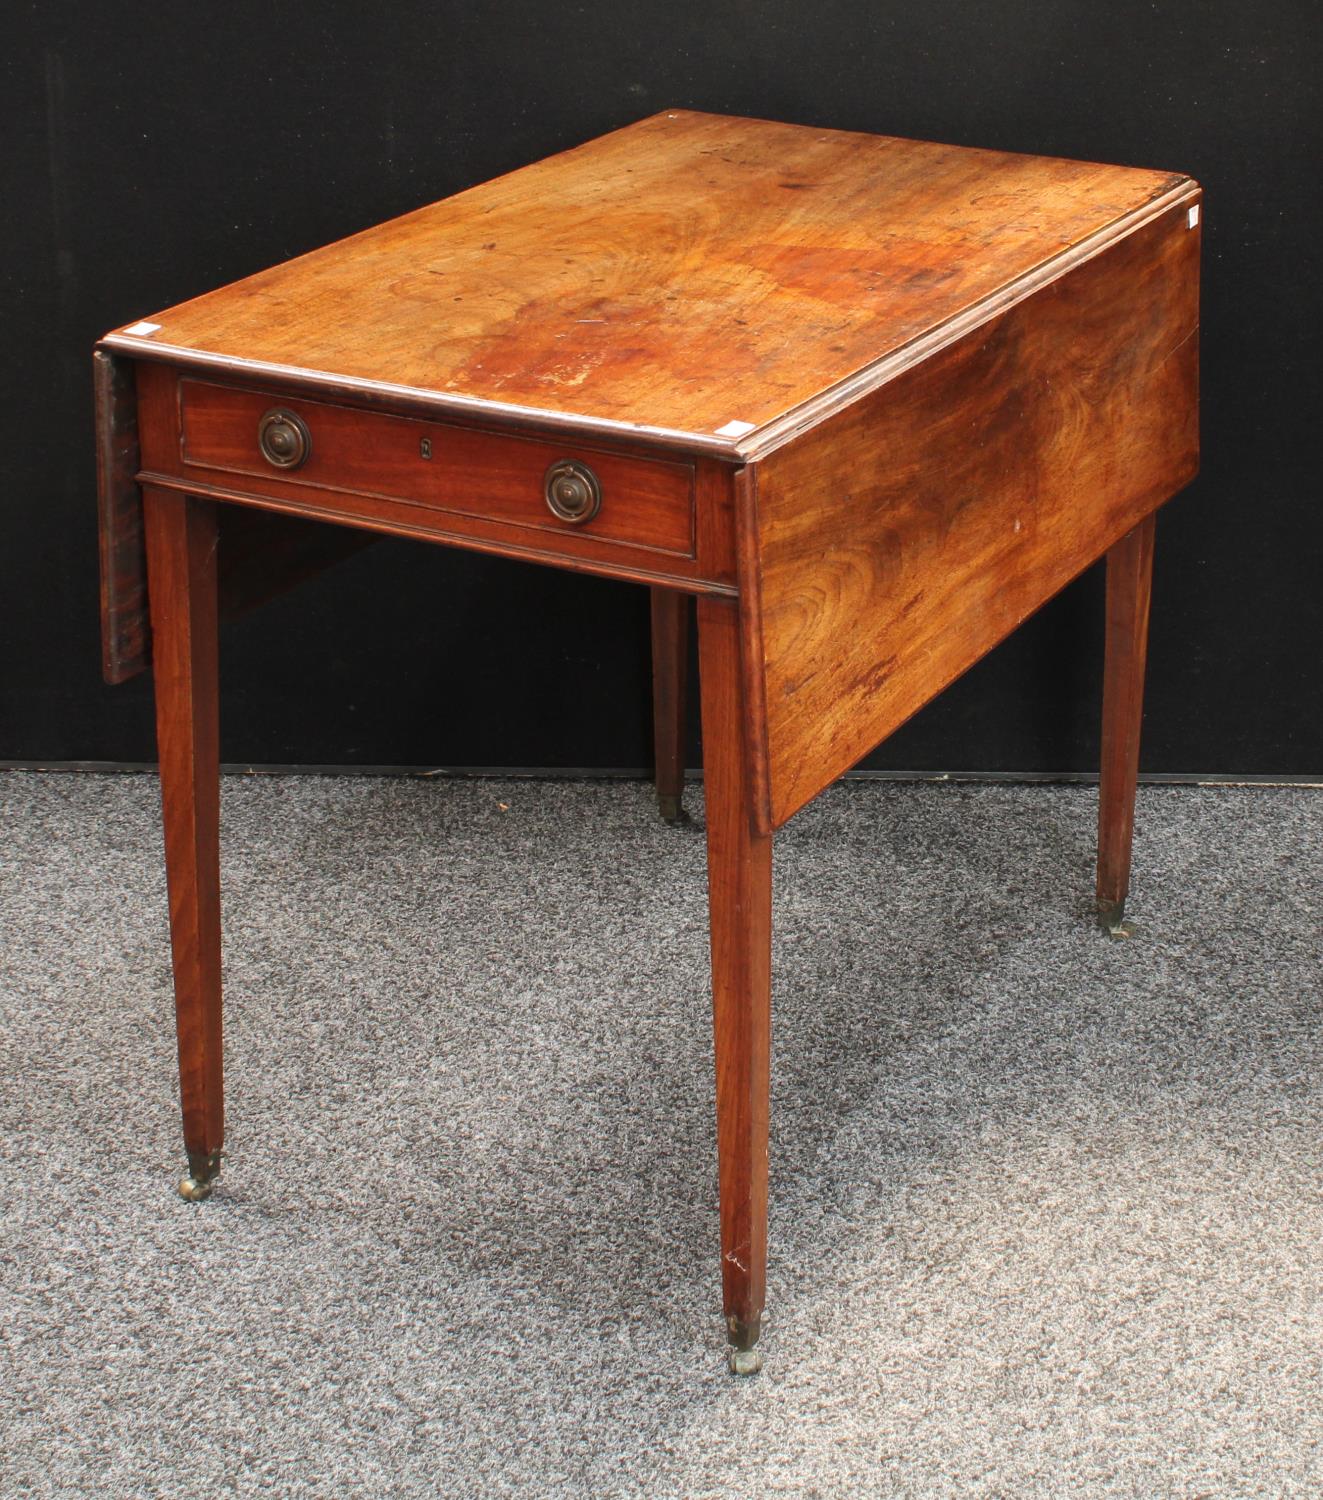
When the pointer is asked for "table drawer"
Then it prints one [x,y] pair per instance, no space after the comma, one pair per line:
[636,502]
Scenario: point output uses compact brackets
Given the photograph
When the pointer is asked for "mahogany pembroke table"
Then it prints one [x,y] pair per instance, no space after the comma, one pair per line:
[870,401]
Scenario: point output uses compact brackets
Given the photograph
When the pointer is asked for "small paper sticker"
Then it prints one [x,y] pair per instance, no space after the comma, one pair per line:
[1192,218]
[735,429]
[143,329]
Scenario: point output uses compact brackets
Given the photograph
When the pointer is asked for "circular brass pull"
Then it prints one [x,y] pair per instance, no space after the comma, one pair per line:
[284,438]
[572,491]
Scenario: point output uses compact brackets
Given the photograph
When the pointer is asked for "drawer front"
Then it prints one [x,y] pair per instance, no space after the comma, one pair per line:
[640,503]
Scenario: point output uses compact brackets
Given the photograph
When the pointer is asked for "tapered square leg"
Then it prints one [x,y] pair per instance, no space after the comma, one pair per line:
[181,580]
[1129,588]
[739,862]
[670,667]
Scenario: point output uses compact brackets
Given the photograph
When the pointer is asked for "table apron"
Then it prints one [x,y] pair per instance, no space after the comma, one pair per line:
[403,520]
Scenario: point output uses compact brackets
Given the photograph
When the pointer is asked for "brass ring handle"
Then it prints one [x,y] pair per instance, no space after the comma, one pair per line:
[284,438]
[572,491]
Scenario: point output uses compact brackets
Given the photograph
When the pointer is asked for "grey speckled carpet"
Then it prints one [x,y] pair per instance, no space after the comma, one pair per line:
[1047,1209]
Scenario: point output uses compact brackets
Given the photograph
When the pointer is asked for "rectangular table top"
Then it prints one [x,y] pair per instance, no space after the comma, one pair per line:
[698,280]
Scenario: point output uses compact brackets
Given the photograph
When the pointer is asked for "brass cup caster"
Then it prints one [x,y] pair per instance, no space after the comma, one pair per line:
[743,1356]
[672,809]
[202,1174]
[1111,919]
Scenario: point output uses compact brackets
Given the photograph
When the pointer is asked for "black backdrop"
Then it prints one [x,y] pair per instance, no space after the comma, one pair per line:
[154,151]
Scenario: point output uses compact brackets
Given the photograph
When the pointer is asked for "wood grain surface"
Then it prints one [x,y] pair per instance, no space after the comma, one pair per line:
[125,634]
[680,275]
[1129,588]
[739,865]
[901,540]
[642,496]
[181,558]
[646,502]
[670,673]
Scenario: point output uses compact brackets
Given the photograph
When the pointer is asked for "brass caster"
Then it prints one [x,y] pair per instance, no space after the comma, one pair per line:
[672,809]
[1111,919]
[203,1170]
[743,1356]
